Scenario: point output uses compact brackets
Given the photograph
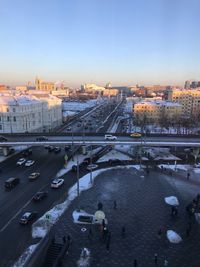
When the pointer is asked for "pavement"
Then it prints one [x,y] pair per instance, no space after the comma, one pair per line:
[142,211]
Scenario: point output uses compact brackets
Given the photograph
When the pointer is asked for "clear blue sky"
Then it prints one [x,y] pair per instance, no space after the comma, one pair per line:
[121,41]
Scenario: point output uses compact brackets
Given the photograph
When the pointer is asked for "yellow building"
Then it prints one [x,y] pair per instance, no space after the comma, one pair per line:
[110,92]
[188,98]
[153,110]
[44,86]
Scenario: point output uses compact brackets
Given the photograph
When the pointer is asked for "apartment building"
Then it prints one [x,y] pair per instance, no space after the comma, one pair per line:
[28,113]
[44,86]
[188,98]
[153,110]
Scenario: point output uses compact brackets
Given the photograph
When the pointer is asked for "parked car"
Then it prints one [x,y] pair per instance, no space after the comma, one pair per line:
[21,161]
[41,138]
[110,137]
[57,149]
[40,195]
[56,183]
[3,139]
[69,128]
[136,135]
[92,167]
[67,148]
[11,183]
[33,176]
[28,217]
[29,163]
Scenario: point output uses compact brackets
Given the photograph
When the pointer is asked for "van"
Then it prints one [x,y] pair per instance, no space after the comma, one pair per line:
[11,182]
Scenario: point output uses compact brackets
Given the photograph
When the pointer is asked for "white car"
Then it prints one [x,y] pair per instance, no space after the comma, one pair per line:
[29,163]
[92,167]
[57,183]
[21,161]
[110,137]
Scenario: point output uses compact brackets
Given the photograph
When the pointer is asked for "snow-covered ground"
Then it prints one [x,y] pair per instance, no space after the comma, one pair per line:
[25,256]
[79,106]
[113,154]
[17,150]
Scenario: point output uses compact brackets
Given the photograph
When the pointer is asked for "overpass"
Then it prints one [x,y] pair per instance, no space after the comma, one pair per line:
[59,139]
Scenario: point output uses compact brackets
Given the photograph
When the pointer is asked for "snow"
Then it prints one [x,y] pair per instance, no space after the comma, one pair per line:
[175,167]
[173,237]
[197,216]
[78,106]
[113,154]
[41,227]
[25,256]
[196,170]
[84,260]
[173,201]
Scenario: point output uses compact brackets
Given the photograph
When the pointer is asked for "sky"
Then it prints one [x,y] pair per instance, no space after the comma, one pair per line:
[125,42]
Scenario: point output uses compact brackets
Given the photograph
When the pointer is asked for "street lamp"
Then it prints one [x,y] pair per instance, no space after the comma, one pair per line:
[91,164]
[72,146]
[77,177]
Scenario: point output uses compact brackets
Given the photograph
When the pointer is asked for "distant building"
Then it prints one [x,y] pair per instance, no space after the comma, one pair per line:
[153,110]
[21,88]
[188,98]
[44,86]
[91,87]
[110,92]
[187,85]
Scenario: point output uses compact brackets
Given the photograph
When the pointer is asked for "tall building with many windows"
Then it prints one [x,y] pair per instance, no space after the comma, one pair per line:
[188,98]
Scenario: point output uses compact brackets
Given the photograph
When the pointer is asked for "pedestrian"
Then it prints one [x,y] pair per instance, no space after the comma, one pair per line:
[103,223]
[100,206]
[156,259]
[159,233]
[190,225]
[188,175]
[165,263]
[64,239]
[175,211]
[123,231]
[105,234]
[69,240]
[147,170]
[115,205]
[135,263]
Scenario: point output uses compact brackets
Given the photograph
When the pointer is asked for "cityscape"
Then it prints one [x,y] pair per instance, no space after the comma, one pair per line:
[100,133]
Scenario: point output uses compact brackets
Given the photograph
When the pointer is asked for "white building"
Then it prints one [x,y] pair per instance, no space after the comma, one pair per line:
[28,113]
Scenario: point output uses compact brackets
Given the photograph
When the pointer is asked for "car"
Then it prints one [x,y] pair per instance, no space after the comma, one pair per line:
[69,128]
[110,137]
[114,161]
[33,176]
[46,146]
[29,163]
[51,148]
[135,135]
[3,139]
[42,138]
[11,182]
[21,161]
[92,167]
[28,217]
[67,148]
[27,152]
[57,149]
[40,195]
[56,183]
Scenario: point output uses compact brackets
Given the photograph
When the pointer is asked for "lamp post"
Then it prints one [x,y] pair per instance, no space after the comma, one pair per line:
[77,177]
[72,146]
[91,164]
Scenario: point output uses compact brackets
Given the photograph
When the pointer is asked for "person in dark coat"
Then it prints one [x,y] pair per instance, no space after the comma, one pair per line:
[123,232]
[100,206]
[115,205]
[135,263]
[156,259]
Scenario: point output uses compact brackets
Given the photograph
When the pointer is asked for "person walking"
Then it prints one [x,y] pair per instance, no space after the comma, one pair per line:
[135,263]
[115,205]
[159,233]
[64,239]
[188,175]
[100,206]
[156,259]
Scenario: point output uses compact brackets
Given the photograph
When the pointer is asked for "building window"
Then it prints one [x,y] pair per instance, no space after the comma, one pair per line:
[8,118]
[14,118]
[7,109]
[0,126]
[0,118]
[14,110]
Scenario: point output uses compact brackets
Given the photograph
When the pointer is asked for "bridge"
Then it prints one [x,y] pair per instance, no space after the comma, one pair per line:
[60,139]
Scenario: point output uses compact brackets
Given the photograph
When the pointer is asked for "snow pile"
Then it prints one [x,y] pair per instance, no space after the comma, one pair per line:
[197,217]
[25,256]
[84,260]
[113,154]
[173,237]
[175,167]
[173,201]
[41,227]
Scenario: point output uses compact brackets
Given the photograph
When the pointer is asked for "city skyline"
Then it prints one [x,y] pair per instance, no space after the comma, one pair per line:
[124,42]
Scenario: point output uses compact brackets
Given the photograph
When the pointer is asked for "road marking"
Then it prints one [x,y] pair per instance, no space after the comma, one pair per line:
[5,226]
